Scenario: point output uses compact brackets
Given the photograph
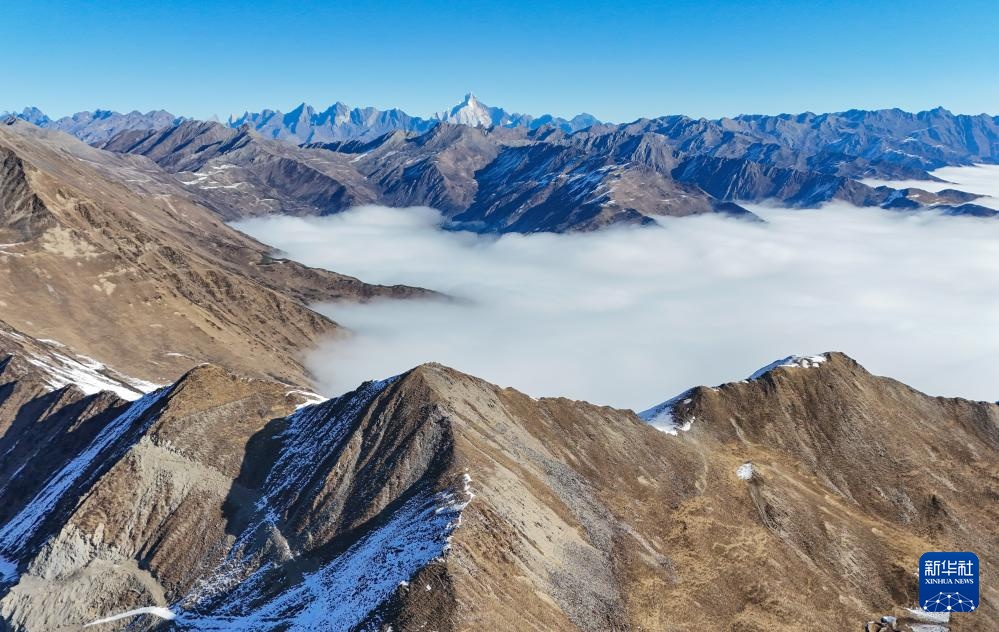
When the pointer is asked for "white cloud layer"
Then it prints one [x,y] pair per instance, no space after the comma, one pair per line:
[629,317]
[982,179]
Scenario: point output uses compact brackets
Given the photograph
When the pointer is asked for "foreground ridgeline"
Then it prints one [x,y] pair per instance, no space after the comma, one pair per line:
[800,498]
[492,171]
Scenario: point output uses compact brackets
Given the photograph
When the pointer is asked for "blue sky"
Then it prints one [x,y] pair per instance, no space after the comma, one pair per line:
[617,60]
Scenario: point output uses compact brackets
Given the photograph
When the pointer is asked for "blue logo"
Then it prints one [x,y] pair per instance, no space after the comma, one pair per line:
[948,582]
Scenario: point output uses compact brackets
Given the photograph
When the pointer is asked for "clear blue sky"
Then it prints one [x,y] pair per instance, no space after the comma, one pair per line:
[617,60]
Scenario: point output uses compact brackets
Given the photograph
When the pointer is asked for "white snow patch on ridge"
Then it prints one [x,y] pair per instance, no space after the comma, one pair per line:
[661,415]
[88,374]
[61,368]
[804,362]
[745,471]
[310,398]
[340,595]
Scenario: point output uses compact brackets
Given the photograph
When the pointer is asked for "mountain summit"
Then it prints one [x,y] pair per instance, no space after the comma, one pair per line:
[473,113]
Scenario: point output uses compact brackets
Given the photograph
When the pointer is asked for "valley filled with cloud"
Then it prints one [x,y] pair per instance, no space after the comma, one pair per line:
[631,316]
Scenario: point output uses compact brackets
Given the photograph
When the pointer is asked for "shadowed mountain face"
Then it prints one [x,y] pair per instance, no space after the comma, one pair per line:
[109,254]
[434,500]
[492,171]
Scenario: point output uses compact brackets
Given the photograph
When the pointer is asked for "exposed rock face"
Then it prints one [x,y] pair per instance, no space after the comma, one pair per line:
[110,255]
[434,500]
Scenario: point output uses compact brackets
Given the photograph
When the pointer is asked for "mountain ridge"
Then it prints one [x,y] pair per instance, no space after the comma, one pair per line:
[437,499]
[490,171]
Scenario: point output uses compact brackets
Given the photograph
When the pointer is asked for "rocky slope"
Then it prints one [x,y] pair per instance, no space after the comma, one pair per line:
[110,255]
[800,498]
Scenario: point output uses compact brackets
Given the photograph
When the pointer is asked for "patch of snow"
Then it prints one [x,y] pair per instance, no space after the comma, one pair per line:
[310,398]
[8,571]
[312,434]
[61,368]
[86,373]
[804,362]
[661,416]
[929,617]
[162,613]
[745,471]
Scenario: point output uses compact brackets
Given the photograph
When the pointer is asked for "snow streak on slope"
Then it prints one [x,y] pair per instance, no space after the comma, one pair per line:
[240,594]
[15,534]
[162,613]
[62,367]
[313,434]
[344,592]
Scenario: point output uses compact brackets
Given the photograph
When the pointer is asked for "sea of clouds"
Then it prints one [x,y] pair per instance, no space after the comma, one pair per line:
[631,316]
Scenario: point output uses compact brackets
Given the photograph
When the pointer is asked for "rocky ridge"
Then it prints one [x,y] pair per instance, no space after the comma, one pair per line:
[802,496]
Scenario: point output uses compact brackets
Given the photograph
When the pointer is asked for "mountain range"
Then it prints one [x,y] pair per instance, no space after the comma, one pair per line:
[491,171]
[166,465]
[802,496]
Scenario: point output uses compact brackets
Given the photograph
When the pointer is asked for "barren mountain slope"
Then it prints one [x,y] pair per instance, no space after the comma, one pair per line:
[110,255]
[801,498]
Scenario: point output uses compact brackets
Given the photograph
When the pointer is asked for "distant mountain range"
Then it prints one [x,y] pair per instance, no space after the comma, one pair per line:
[492,171]
[304,124]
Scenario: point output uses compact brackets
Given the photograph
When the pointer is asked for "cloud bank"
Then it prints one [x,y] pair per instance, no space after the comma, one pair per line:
[629,317]
[981,179]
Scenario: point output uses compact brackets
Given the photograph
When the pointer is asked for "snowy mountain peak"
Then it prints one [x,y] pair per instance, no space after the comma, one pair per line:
[474,113]
[799,361]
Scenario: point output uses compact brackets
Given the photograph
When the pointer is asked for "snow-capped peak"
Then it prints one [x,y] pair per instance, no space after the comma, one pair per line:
[474,113]
[803,362]
[661,416]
